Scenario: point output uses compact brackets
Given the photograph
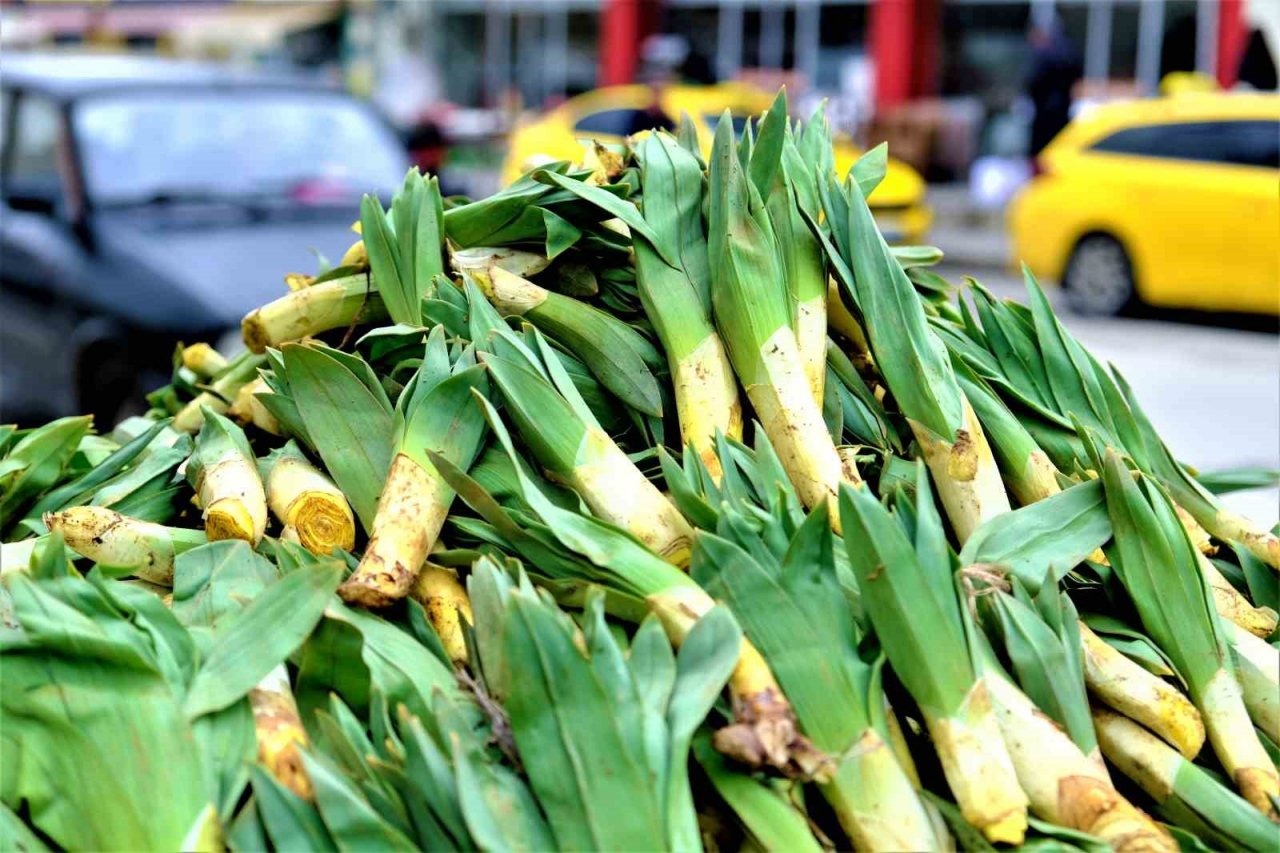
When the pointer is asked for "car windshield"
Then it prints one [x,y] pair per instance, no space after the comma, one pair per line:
[155,146]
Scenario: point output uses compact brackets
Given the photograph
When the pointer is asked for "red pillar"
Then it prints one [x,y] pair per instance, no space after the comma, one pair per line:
[927,48]
[1231,39]
[893,28]
[619,41]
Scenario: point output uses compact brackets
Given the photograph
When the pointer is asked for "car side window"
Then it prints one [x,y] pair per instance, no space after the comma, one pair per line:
[1241,143]
[34,154]
[6,110]
[621,122]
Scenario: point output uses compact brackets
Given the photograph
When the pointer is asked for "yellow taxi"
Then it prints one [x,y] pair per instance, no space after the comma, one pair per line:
[612,113]
[1173,202]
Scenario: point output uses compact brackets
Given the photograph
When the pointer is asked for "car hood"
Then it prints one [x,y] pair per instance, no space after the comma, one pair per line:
[208,274]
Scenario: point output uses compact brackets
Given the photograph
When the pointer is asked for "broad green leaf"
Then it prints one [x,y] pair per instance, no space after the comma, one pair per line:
[353,653]
[1226,480]
[216,580]
[257,639]
[706,660]
[870,168]
[587,780]
[615,353]
[1157,565]
[800,623]
[499,811]
[347,424]
[562,234]
[16,836]
[229,743]
[624,210]
[89,720]
[910,357]
[36,462]
[350,819]
[83,487]
[918,624]
[1053,535]
[768,814]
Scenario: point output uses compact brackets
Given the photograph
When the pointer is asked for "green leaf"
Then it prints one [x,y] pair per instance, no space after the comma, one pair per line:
[799,621]
[607,201]
[765,810]
[615,353]
[1046,661]
[1157,565]
[229,743]
[348,425]
[1049,537]
[16,836]
[80,489]
[244,831]
[90,719]
[499,810]
[1226,480]
[354,653]
[870,168]
[590,783]
[36,463]
[350,819]
[394,283]
[257,639]
[562,234]
[1261,579]
[217,580]
[917,621]
[910,357]
[707,658]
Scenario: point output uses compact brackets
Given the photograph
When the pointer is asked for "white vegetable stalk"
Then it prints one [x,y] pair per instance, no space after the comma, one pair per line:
[438,590]
[1234,607]
[305,500]
[1136,693]
[1236,528]
[764,731]
[876,800]
[329,305]
[1178,785]
[965,472]
[411,512]
[224,389]
[1258,670]
[224,474]
[1064,785]
[118,541]
[203,360]
[246,408]
[281,736]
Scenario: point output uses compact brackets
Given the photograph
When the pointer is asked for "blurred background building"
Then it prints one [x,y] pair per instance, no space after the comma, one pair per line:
[125,221]
[940,79]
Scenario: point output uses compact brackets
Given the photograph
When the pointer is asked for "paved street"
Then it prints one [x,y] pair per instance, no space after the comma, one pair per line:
[1214,393]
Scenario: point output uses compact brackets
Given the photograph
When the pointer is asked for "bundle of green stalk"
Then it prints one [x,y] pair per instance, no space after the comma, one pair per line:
[651,503]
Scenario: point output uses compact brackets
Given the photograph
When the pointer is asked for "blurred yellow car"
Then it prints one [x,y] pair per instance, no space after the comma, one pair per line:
[1172,202]
[612,113]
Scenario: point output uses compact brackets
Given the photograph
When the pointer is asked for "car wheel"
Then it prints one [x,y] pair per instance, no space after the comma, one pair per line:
[1099,277]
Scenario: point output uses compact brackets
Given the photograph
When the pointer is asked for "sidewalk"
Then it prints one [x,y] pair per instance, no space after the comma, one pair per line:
[970,238]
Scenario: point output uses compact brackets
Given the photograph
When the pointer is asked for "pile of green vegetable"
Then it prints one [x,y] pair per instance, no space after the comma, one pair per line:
[649,503]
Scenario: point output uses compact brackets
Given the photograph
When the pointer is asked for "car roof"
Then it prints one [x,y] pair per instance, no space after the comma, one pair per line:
[1191,106]
[67,76]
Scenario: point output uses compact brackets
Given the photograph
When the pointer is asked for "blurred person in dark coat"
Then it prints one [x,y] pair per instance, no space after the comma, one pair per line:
[1054,71]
